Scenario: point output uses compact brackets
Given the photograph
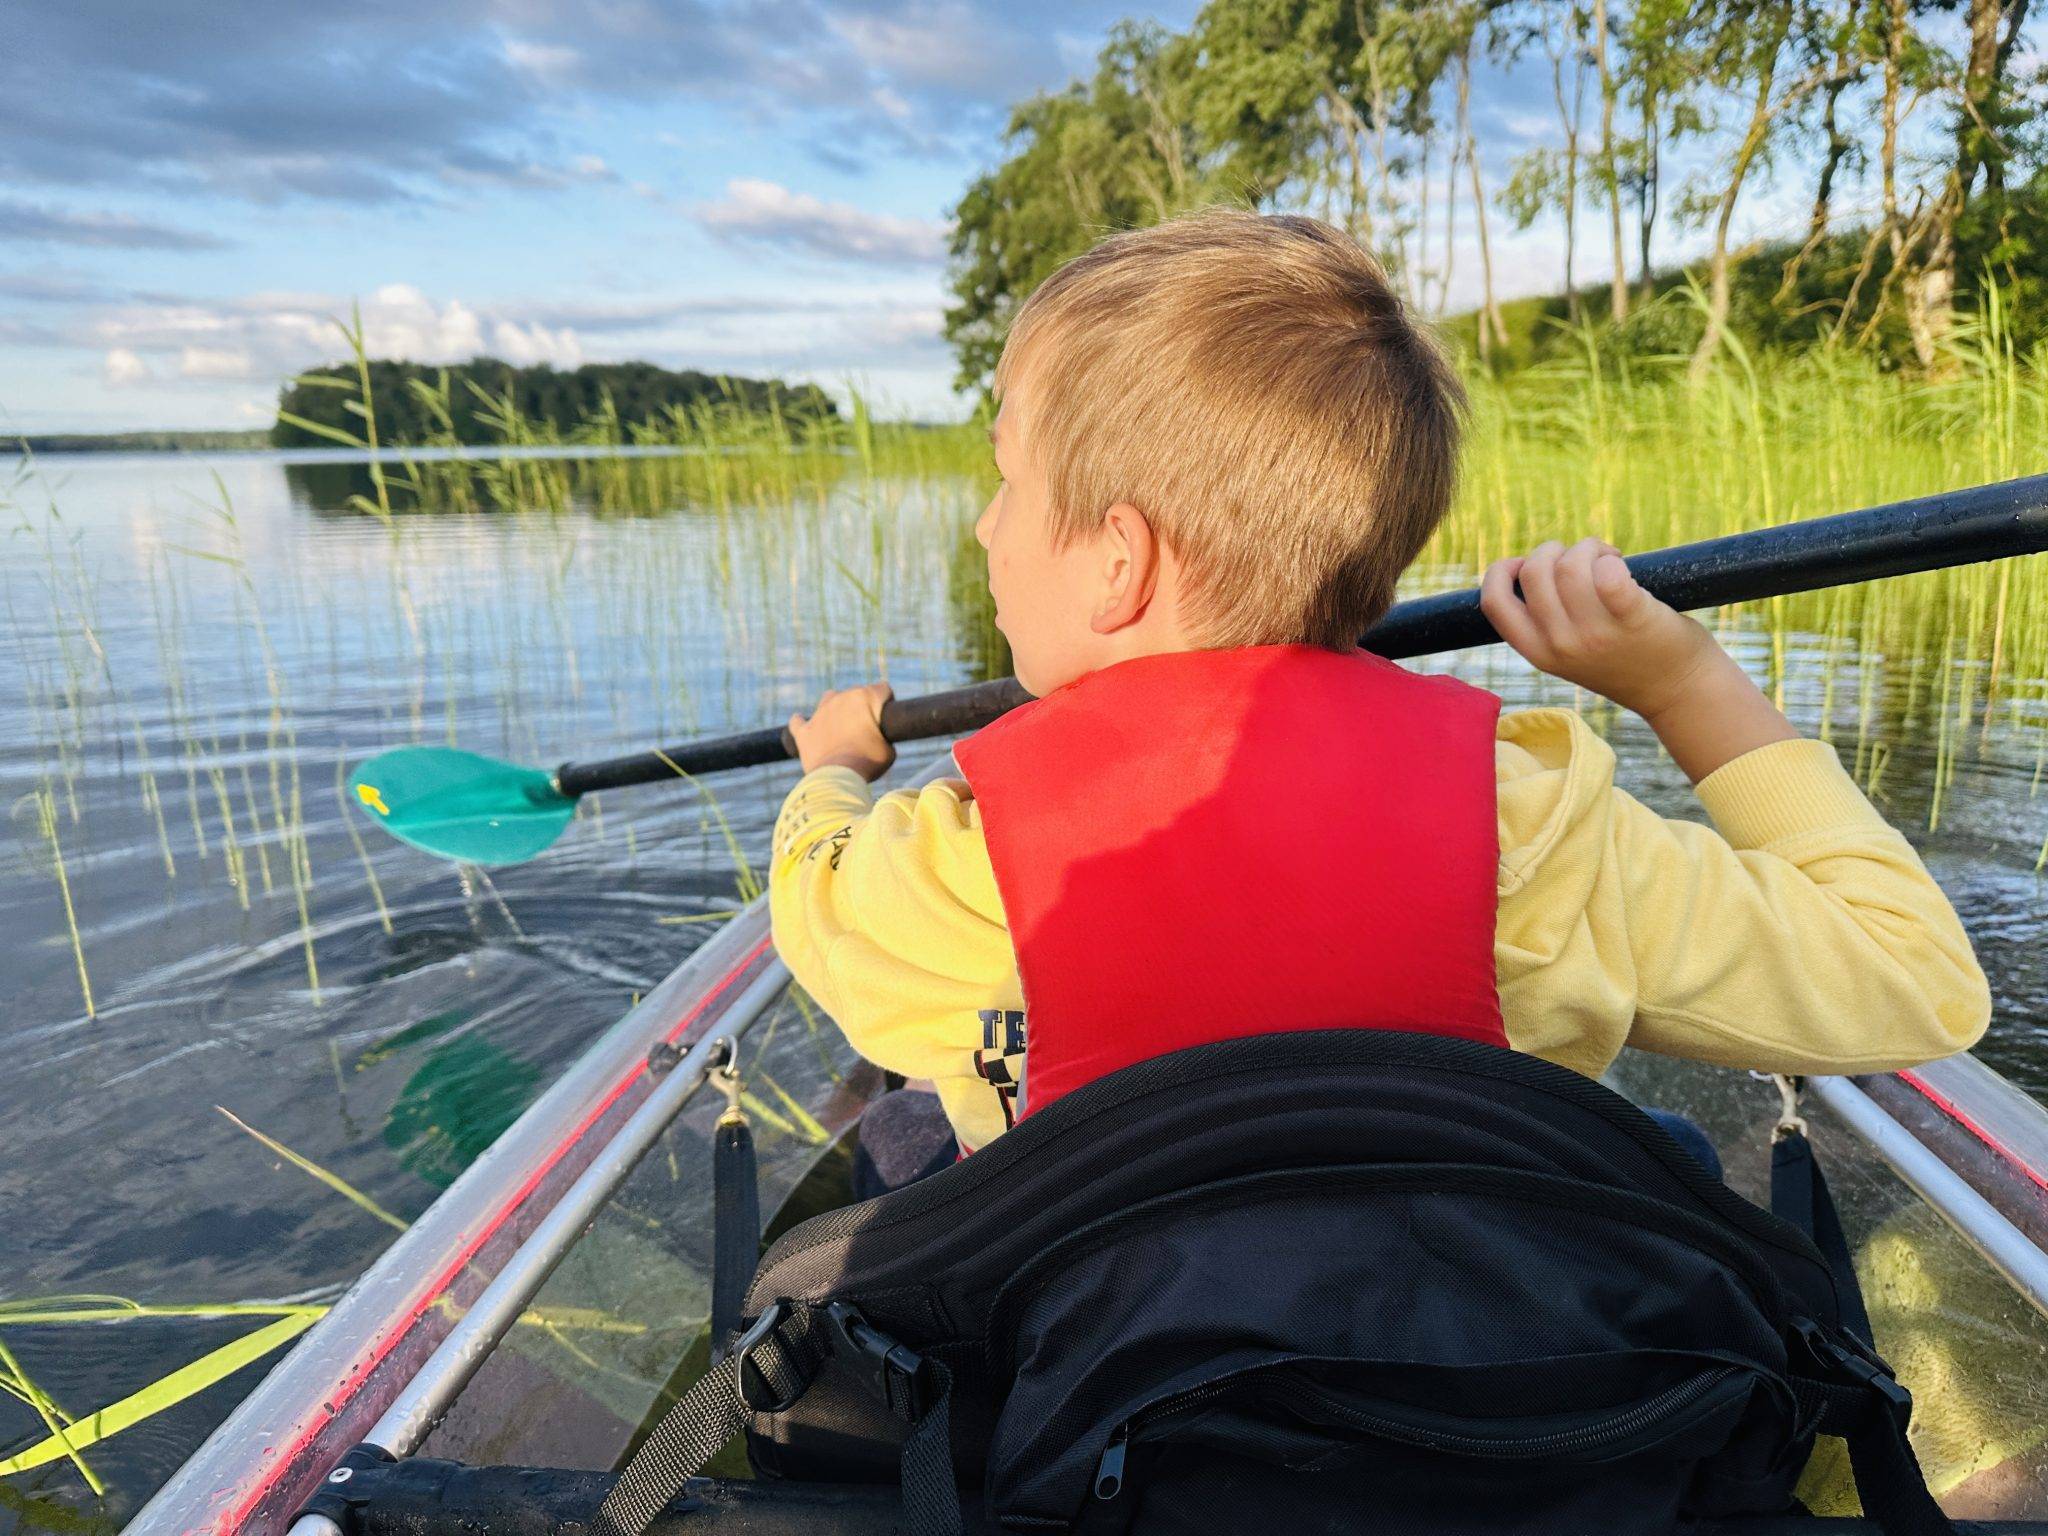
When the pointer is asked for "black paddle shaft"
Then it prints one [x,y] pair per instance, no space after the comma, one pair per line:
[952,713]
[1986,522]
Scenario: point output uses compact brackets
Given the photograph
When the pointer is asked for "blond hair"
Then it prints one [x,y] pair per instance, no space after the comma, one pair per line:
[1255,387]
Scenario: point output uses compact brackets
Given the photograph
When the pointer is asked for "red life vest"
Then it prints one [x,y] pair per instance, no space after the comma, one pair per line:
[1208,844]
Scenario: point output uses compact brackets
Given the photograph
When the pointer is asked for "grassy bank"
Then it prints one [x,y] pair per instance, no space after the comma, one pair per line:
[1644,459]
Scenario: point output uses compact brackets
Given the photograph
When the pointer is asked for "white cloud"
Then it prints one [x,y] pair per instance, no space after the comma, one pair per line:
[216,363]
[115,231]
[770,212]
[900,327]
[546,60]
[271,336]
[123,367]
[535,343]
[946,44]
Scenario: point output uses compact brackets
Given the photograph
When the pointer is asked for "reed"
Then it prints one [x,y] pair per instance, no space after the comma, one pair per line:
[1642,459]
[818,551]
[713,568]
[46,819]
[331,1179]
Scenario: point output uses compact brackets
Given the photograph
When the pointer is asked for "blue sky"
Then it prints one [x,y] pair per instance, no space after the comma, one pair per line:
[188,192]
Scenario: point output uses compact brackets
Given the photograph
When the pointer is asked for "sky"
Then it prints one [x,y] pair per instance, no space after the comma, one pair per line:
[191,192]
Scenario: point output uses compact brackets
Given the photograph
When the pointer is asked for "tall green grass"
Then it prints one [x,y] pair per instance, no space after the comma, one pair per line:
[828,543]
[819,552]
[1637,456]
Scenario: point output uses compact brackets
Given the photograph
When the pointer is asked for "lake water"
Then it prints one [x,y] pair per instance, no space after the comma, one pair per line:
[196,648]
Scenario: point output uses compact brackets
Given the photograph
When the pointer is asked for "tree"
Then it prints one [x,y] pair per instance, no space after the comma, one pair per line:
[1610,166]
[1766,51]
[1493,329]
[1851,52]
[1361,111]
[1655,62]
[1547,176]
[1564,44]
[1116,152]
[1986,114]
[419,404]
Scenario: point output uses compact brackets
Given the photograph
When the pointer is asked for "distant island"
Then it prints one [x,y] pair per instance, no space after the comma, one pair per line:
[420,404]
[134,442]
[465,403]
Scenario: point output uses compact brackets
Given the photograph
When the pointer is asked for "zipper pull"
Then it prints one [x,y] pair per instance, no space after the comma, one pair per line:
[1109,1472]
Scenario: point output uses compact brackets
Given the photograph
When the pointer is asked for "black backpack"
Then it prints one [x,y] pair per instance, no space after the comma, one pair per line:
[1331,1280]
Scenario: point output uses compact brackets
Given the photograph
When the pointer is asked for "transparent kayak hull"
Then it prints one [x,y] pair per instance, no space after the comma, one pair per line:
[257,1467]
[1969,1342]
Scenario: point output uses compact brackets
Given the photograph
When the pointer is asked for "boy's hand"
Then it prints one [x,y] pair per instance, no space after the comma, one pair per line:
[845,731]
[1582,616]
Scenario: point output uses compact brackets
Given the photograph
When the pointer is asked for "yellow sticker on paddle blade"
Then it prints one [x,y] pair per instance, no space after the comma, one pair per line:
[368,794]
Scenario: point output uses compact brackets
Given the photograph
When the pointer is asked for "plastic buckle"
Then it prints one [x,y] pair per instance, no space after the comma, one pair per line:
[1861,1365]
[754,1388]
[894,1371]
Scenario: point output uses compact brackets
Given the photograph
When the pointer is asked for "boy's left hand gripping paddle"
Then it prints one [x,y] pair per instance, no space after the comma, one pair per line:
[461,805]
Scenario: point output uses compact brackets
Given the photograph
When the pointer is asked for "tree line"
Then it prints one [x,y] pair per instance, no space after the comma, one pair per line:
[487,401]
[1361,112]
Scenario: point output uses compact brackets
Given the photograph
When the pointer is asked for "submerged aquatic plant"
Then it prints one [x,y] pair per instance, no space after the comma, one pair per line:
[332,1180]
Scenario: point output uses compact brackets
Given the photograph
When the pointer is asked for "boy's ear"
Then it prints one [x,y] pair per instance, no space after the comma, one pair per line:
[1130,556]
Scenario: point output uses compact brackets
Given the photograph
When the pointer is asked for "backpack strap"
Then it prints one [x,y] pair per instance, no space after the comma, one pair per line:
[1799,1195]
[735,1210]
[771,1366]
[1859,1400]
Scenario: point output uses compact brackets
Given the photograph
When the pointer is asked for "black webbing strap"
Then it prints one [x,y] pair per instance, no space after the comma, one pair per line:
[771,1366]
[1799,1194]
[735,1227]
[1862,1402]
[931,1496]
[1870,1412]
[782,1352]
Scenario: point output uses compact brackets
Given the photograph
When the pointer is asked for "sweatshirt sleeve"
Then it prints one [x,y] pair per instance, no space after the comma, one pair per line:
[887,913]
[1799,933]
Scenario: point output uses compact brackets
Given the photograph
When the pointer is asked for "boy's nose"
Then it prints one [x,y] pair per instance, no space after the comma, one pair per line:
[983,523]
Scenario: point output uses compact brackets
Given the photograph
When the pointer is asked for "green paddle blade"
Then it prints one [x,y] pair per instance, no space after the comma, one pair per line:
[460,805]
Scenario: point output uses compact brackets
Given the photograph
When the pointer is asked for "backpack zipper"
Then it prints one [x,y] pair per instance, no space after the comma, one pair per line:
[1672,1399]
[1109,1471]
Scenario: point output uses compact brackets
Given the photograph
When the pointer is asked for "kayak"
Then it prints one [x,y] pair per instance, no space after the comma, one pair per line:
[436,1307]
[552,1303]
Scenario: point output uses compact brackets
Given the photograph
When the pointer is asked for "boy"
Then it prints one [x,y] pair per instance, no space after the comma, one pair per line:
[1220,441]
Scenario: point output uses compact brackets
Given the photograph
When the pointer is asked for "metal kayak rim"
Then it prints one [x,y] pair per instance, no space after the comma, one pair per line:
[256,1468]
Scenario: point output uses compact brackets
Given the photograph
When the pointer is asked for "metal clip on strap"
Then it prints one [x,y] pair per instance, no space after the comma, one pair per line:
[725,1077]
[1790,1121]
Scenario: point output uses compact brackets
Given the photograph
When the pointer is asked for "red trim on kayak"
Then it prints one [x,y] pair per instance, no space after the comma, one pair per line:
[1956,1113]
[391,1340]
